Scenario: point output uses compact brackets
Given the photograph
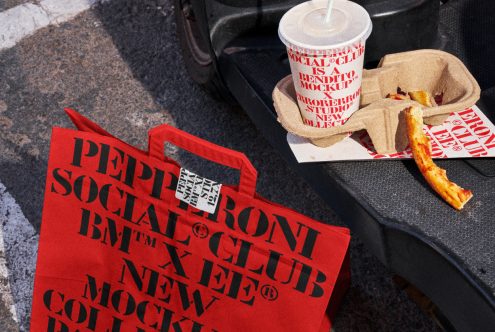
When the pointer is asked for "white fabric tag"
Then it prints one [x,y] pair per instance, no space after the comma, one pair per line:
[197,191]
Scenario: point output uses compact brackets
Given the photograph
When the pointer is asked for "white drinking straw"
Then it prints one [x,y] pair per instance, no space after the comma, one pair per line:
[329,11]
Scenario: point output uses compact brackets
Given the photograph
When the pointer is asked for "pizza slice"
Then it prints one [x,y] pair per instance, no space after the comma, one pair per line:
[422,97]
[399,95]
[436,177]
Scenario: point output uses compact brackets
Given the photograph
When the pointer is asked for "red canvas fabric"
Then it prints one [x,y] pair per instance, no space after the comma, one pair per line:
[119,252]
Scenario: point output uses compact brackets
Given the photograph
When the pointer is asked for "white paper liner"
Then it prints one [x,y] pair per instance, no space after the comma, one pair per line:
[465,134]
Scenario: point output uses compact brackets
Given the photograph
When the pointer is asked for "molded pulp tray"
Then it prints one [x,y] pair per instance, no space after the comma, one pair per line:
[436,72]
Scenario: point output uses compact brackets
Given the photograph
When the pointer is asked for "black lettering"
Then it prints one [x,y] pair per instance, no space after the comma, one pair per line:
[77,315]
[111,231]
[196,299]
[104,194]
[92,192]
[309,243]
[171,225]
[103,292]
[214,244]
[48,299]
[123,302]
[103,162]
[78,151]
[229,217]
[157,183]
[130,171]
[317,289]
[261,222]
[176,260]
[52,325]
[116,162]
[66,185]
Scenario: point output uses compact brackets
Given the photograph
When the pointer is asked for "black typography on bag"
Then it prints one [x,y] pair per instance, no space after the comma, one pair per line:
[186,271]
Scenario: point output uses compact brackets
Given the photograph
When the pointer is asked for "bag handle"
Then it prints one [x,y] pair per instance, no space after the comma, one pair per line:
[84,124]
[158,136]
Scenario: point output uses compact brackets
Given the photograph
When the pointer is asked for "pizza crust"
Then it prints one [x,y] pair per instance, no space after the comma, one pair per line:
[436,177]
[422,97]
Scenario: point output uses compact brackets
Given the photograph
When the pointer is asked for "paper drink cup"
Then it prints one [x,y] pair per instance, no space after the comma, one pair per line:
[326,60]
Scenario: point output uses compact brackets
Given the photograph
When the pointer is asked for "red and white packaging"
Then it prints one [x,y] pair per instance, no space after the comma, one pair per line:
[326,59]
[465,134]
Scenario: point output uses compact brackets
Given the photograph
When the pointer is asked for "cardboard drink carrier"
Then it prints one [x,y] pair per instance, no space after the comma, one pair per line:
[130,241]
[434,71]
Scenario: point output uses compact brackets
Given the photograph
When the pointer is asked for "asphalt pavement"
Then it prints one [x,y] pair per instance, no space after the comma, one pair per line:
[119,64]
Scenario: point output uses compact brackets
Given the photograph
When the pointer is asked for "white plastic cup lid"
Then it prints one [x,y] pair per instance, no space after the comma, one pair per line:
[304,26]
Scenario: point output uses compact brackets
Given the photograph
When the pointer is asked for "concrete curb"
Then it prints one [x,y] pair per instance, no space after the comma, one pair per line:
[18,251]
[25,19]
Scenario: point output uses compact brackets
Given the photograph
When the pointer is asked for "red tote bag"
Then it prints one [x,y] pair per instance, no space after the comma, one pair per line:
[130,241]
